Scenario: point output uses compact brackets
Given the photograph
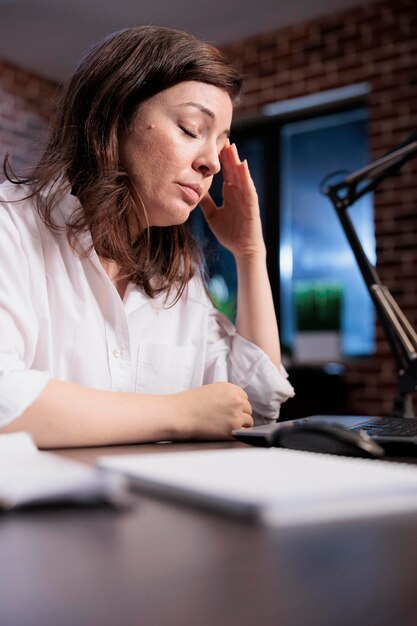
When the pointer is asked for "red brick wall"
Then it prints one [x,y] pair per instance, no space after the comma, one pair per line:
[25,108]
[376,44]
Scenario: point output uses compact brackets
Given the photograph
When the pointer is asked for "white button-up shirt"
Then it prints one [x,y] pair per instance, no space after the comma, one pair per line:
[61,317]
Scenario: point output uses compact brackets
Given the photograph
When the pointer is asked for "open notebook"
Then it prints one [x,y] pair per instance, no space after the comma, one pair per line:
[29,477]
[279,486]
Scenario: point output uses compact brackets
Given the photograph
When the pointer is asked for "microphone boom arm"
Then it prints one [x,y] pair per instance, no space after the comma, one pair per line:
[399,333]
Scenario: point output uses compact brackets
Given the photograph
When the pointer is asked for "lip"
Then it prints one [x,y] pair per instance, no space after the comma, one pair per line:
[191,192]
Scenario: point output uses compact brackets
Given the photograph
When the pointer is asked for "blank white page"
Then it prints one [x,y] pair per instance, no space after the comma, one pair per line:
[280,486]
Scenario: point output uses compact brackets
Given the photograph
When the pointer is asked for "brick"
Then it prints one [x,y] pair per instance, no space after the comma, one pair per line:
[25,106]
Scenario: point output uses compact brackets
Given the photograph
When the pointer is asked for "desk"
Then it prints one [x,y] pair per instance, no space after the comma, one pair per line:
[163,563]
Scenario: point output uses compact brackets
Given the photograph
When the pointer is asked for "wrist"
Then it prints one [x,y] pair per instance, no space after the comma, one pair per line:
[183,415]
[170,424]
[252,256]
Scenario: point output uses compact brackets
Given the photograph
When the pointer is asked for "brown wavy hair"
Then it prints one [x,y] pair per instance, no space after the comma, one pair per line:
[95,108]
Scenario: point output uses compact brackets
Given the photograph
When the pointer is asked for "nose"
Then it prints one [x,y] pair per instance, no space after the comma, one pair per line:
[208,160]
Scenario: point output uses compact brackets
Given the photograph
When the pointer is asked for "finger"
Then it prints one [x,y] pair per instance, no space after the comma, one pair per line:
[247,408]
[246,185]
[208,206]
[244,394]
[228,191]
[226,145]
[230,163]
[247,421]
[245,177]
[235,154]
[234,163]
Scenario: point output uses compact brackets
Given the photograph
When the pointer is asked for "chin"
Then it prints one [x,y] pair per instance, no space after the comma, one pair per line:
[178,217]
[173,214]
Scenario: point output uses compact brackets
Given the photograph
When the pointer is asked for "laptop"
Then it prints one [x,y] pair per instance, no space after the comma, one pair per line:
[390,432]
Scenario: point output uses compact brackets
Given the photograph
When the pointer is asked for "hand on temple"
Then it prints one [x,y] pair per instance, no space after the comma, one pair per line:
[237,223]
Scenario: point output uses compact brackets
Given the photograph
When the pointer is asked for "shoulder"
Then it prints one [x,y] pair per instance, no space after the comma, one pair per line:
[194,296]
[196,293]
[18,230]
[11,192]
[20,221]
[19,206]
[16,209]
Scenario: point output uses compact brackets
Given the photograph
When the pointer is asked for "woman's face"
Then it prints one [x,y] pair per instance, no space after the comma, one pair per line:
[172,150]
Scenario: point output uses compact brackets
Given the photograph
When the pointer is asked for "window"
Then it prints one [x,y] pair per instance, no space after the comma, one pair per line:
[314,251]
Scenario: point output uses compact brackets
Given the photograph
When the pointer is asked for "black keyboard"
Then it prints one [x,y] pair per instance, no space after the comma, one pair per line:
[394,426]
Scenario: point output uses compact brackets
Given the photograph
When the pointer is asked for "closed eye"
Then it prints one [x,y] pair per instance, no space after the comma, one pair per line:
[188,132]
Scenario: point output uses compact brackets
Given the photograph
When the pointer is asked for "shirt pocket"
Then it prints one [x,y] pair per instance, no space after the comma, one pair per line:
[164,369]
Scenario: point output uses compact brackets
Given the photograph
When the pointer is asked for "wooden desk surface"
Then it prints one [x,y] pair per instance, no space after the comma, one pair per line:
[167,564]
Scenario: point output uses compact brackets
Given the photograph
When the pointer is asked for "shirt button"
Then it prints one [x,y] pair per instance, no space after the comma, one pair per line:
[117,353]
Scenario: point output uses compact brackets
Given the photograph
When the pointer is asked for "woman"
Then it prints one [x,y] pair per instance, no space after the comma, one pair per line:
[107,335]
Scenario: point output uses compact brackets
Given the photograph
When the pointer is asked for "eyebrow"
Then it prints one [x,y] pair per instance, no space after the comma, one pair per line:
[205,110]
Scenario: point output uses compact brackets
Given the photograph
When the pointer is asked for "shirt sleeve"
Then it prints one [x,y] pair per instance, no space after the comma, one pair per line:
[233,358]
[19,384]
